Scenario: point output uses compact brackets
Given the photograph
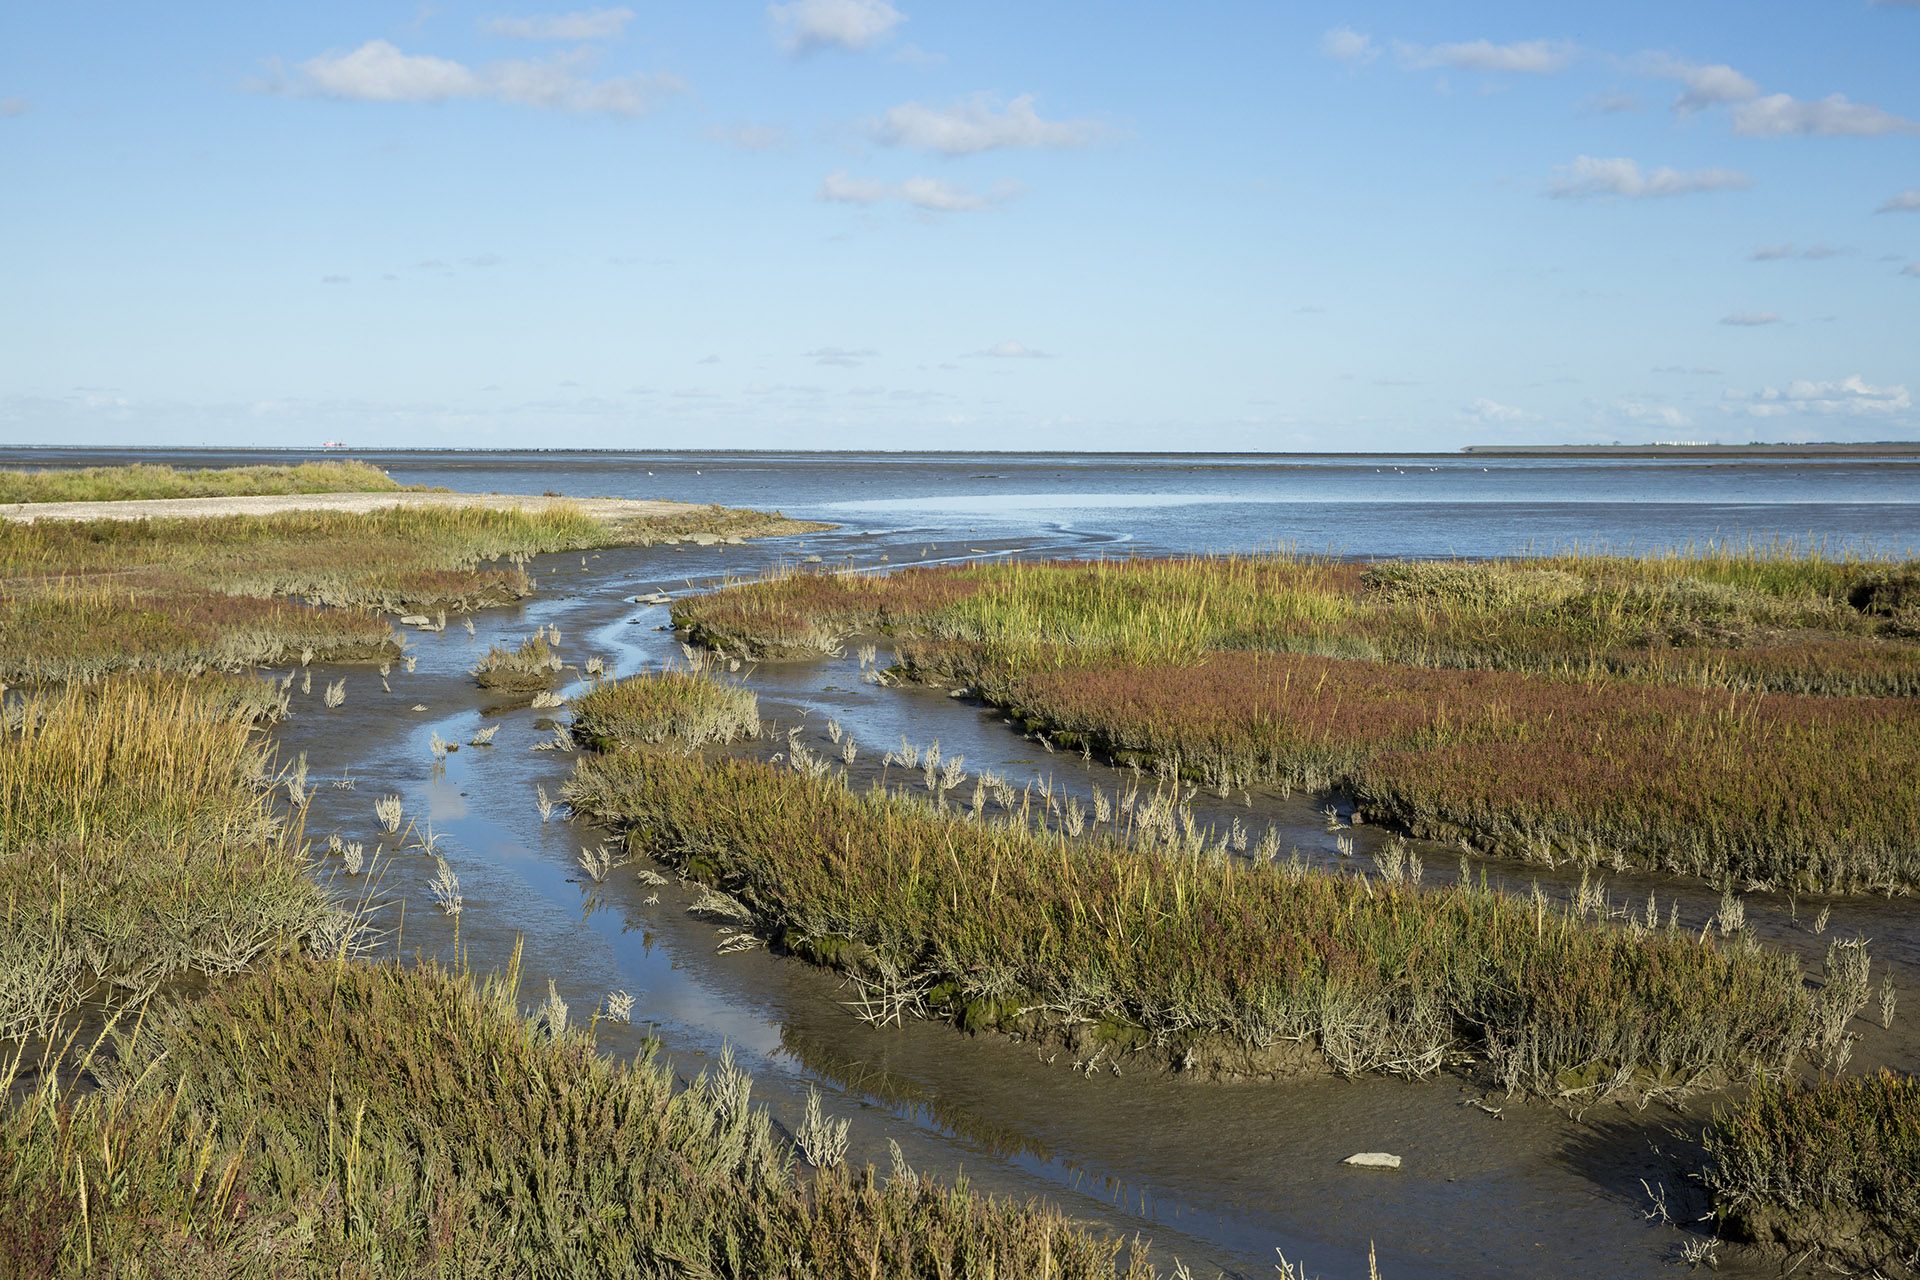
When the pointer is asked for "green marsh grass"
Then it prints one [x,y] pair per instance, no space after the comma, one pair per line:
[147,480]
[412,1121]
[79,600]
[995,925]
[1728,714]
[1833,1166]
[668,706]
[138,842]
[531,666]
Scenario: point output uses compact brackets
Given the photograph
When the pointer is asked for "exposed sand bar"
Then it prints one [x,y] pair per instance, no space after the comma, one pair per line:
[274,504]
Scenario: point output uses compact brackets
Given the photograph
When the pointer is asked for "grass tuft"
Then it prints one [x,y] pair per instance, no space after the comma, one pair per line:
[670,706]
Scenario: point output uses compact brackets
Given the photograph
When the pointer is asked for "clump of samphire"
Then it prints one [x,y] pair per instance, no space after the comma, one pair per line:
[671,706]
[532,666]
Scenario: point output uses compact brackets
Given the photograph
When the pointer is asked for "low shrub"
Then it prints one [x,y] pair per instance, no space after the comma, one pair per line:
[1834,1166]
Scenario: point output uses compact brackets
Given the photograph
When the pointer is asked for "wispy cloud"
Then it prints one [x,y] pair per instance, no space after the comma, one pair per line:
[749,136]
[838,188]
[931,195]
[1780,115]
[1590,176]
[1911,269]
[1536,57]
[841,356]
[14,106]
[1493,412]
[979,124]
[1711,85]
[1615,103]
[588,24]
[1011,351]
[1907,201]
[808,25]
[1349,46]
[1750,319]
[1658,415]
[379,72]
[1781,252]
[1849,396]
[1698,370]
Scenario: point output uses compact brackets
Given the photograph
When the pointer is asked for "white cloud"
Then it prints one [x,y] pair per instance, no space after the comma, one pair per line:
[1012,351]
[1911,269]
[1539,57]
[14,106]
[333,280]
[1658,415]
[840,356]
[1907,201]
[1750,319]
[940,196]
[1349,46]
[379,72]
[1619,176]
[933,195]
[588,24]
[1781,115]
[1706,86]
[807,25]
[975,125]
[1492,411]
[1850,396]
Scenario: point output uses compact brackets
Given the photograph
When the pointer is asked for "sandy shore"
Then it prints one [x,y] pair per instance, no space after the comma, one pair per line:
[272,504]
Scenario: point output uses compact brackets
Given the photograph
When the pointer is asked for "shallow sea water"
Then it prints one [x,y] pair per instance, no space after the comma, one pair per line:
[1219,1175]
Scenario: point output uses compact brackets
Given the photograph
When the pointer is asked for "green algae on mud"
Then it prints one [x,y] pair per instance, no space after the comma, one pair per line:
[1611,711]
[413,1121]
[1198,959]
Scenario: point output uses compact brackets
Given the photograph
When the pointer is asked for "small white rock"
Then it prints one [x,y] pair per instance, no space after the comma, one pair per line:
[1373,1160]
[415,620]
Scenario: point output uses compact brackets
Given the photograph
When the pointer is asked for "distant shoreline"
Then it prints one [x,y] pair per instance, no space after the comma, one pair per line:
[1878,449]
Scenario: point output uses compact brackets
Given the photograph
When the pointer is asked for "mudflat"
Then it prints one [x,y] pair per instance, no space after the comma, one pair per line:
[357,503]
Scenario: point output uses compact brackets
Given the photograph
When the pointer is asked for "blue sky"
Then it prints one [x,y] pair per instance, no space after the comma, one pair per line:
[900,224]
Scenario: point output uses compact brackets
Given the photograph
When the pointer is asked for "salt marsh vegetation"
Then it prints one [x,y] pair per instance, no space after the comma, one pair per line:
[1172,948]
[144,480]
[415,1121]
[1737,715]
[671,705]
